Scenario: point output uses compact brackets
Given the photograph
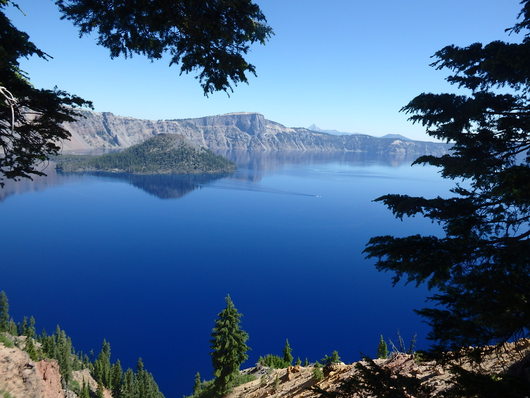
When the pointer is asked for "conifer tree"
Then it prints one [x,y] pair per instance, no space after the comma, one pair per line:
[31,332]
[23,327]
[382,349]
[287,353]
[85,391]
[61,349]
[102,368]
[30,349]
[146,386]
[480,265]
[329,359]
[228,346]
[116,378]
[4,312]
[128,386]
[12,327]
[197,383]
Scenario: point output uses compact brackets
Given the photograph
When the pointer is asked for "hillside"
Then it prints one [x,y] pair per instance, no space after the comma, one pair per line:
[22,377]
[434,378]
[161,154]
[232,132]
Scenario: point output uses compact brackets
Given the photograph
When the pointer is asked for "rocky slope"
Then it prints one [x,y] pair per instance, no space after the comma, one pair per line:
[299,382]
[20,377]
[234,131]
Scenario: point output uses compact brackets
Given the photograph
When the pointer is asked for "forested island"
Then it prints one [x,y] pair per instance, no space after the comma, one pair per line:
[161,154]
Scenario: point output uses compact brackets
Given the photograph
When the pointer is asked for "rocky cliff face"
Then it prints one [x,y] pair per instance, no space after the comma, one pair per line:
[22,377]
[232,132]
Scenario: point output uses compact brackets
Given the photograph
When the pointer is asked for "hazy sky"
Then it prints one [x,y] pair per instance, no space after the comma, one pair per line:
[348,65]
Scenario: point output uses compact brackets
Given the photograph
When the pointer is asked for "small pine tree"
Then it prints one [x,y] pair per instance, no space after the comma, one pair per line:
[4,312]
[60,347]
[333,358]
[197,383]
[144,384]
[229,348]
[102,368]
[318,374]
[128,386]
[30,349]
[382,349]
[23,327]
[298,361]
[116,376]
[31,332]
[12,327]
[85,391]
[287,353]
[306,362]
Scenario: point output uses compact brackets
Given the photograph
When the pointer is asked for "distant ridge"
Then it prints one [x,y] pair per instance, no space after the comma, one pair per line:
[396,137]
[240,131]
[314,127]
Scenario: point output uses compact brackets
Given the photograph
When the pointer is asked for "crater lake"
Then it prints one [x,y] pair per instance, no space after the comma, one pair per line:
[146,261]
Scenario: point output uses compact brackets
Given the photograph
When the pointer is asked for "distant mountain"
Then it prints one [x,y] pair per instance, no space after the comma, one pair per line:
[233,132]
[161,154]
[396,137]
[314,127]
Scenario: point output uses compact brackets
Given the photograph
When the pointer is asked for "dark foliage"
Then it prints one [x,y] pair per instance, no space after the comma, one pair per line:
[30,118]
[209,35]
[480,269]
[470,384]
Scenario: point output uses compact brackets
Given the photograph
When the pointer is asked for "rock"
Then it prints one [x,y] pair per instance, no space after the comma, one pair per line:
[22,377]
[232,132]
[291,373]
[332,368]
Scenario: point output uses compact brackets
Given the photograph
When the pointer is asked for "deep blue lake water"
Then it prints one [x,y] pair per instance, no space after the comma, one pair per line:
[146,262]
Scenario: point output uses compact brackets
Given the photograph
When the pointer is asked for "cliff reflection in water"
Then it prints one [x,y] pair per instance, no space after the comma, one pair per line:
[251,167]
[166,186]
[37,183]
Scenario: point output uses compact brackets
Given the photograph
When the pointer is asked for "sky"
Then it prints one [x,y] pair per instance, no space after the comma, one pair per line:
[348,65]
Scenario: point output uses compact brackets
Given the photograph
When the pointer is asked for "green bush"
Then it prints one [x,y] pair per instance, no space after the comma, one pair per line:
[317,373]
[6,341]
[242,379]
[333,358]
[273,361]
[206,388]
